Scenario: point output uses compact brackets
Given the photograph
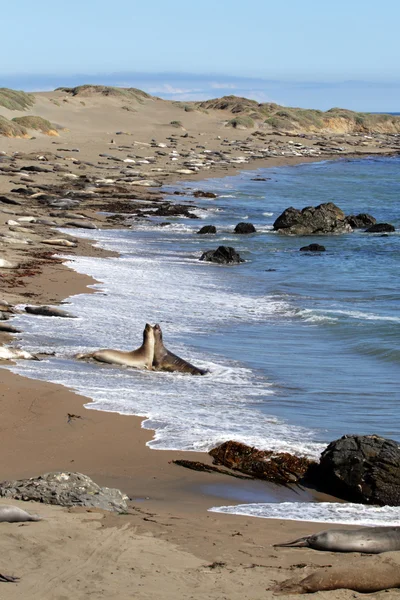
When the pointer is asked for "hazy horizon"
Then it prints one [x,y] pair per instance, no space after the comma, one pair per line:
[363,96]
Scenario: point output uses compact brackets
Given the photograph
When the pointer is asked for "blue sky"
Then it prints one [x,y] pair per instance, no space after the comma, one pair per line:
[298,52]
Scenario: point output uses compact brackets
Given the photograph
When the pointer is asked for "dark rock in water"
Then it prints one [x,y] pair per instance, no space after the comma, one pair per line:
[279,467]
[245,228]
[360,221]
[175,210]
[81,224]
[363,469]
[223,255]
[207,229]
[313,248]
[381,228]
[65,489]
[321,219]
[48,311]
[201,194]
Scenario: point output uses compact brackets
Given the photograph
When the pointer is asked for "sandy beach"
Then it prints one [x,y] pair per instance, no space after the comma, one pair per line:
[168,546]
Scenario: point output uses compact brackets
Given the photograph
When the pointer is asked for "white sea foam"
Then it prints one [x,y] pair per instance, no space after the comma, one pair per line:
[268,214]
[318,512]
[192,413]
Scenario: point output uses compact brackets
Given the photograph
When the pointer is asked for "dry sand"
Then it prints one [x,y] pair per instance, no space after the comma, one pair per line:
[169,546]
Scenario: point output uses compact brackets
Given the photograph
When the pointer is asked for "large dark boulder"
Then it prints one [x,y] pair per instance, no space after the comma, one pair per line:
[223,255]
[207,229]
[321,219]
[363,469]
[381,228]
[245,228]
[279,467]
[65,489]
[313,248]
[361,220]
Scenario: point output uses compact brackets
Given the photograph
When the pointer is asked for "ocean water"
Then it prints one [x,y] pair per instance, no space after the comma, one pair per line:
[301,348]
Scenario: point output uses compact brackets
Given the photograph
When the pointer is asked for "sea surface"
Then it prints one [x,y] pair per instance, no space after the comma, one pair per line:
[302,348]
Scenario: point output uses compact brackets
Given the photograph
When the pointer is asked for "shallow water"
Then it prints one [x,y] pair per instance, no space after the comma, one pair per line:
[301,348]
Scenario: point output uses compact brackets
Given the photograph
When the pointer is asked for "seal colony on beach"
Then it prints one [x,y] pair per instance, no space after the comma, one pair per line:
[151,355]
[372,540]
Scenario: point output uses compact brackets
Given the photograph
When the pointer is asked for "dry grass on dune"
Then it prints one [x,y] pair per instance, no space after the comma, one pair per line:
[38,123]
[15,100]
[10,129]
[103,90]
[271,116]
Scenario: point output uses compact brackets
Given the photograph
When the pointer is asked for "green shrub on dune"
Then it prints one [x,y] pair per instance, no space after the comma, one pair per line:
[37,123]
[242,122]
[10,129]
[15,100]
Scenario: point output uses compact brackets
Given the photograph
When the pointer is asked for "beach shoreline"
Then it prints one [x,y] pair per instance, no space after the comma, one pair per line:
[169,503]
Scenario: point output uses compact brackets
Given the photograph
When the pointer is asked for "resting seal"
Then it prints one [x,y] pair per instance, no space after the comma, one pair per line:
[365,576]
[13,514]
[164,360]
[371,540]
[142,358]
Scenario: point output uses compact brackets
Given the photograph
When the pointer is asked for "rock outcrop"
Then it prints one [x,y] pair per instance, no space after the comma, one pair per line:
[360,221]
[278,467]
[207,229]
[223,255]
[381,228]
[313,248]
[362,468]
[321,219]
[245,228]
[65,489]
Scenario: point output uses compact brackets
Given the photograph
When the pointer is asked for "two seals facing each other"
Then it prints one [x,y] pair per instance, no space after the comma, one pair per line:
[151,355]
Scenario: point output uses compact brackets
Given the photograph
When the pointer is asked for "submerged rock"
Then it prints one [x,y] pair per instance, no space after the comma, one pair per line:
[201,194]
[321,219]
[65,489]
[313,248]
[223,255]
[245,228]
[278,467]
[207,229]
[363,469]
[381,228]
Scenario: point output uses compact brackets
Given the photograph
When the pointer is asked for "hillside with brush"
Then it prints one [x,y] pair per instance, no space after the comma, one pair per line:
[273,117]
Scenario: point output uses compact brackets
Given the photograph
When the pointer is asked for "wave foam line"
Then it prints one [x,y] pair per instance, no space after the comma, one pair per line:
[318,512]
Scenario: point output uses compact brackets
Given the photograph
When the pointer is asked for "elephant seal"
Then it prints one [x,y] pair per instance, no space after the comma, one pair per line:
[371,540]
[140,358]
[365,576]
[13,514]
[164,360]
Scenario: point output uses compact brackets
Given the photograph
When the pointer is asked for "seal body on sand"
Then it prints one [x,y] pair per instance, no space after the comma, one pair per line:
[142,358]
[371,540]
[13,514]
[365,577]
[164,360]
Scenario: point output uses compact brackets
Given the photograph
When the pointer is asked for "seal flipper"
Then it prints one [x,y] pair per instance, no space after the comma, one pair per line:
[299,543]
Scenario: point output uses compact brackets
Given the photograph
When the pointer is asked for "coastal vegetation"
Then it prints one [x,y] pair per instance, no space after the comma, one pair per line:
[11,129]
[15,100]
[104,90]
[38,123]
[273,117]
